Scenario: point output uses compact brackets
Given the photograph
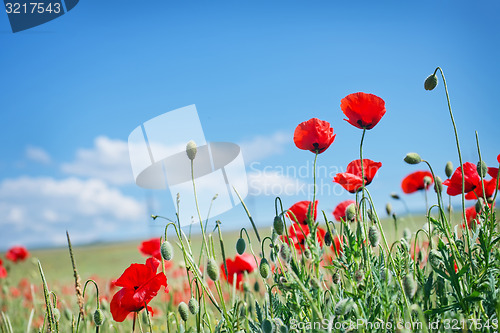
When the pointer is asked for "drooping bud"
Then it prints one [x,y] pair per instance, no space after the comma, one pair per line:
[427,181]
[264,268]
[388,208]
[328,239]
[395,196]
[374,236]
[448,169]
[407,234]
[431,82]
[438,185]
[191,150]
[167,252]
[183,311]
[241,246]
[285,253]
[267,326]
[56,313]
[479,205]
[413,158]
[410,286]
[256,286]
[350,212]
[435,258]
[99,317]
[278,225]
[212,269]
[307,254]
[193,306]
[336,278]
[482,169]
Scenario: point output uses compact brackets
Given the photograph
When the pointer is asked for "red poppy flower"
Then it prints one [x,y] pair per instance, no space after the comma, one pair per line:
[498,158]
[339,211]
[17,253]
[140,284]
[298,233]
[363,110]
[3,271]
[351,179]
[489,189]
[241,264]
[415,181]
[314,135]
[493,172]
[301,210]
[151,248]
[472,180]
[471,216]
[337,245]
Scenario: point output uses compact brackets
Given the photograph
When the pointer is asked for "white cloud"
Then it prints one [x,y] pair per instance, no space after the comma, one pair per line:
[37,154]
[261,147]
[275,184]
[46,207]
[108,160]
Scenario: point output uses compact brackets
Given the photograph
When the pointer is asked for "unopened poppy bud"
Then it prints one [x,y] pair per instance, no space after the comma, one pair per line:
[272,255]
[410,286]
[183,311]
[285,253]
[167,252]
[56,313]
[342,307]
[278,225]
[438,185]
[359,276]
[241,246]
[448,169]
[336,278]
[482,169]
[413,158]
[212,269]
[374,236]
[394,196]
[67,314]
[431,82]
[191,150]
[427,180]
[479,205]
[388,208]
[267,326]
[99,317]
[350,212]
[264,268]
[193,306]
[307,254]
[256,286]
[370,214]
[435,258]
[407,234]
[246,287]
[328,239]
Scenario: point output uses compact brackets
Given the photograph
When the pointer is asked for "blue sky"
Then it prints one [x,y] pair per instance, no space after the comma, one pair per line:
[74,88]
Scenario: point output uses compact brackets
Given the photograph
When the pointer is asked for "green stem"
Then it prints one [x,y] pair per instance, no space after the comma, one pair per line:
[198,208]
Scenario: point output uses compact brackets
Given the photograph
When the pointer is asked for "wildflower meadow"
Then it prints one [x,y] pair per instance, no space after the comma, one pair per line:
[356,270]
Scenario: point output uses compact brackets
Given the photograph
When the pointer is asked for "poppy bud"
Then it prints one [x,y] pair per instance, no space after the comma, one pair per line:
[56,313]
[307,254]
[193,306]
[191,150]
[342,307]
[359,276]
[435,258]
[278,225]
[272,255]
[285,253]
[256,286]
[373,236]
[283,329]
[336,278]
[99,317]
[350,212]
[438,184]
[167,252]
[212,270]
[240,246]
[479,205]
[183,311]
[67,314]
[264,268]
[431,82]
[394,196]
[427,180]
[328,239]
[370,214]
[246,287]
[267,326]
[407,234]
[482,169]
[413,158]
[448,169]
[410,286]
[388,208]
